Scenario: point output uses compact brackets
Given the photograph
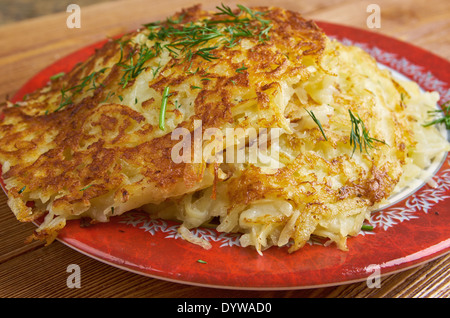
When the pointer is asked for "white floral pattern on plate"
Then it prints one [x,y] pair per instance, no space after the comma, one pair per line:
[420,202]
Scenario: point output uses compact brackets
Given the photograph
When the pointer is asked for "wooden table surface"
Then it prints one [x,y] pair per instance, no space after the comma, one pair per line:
[26,47]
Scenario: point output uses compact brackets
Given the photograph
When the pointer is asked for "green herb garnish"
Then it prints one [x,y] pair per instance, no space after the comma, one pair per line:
[21,190]
[201,261]
[242,68]
[89,81]
[359,135]
[133,69]
[310,113]
[156,70]
[56,76]
[442,116]
[162,112]
[226,11]
[110,94]
[366,227]
[86,187]
[191,39]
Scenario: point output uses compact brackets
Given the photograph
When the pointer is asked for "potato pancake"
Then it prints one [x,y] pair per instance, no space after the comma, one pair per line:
[104,138]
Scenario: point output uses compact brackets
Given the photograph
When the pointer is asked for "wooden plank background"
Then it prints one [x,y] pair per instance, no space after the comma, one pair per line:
[27,46]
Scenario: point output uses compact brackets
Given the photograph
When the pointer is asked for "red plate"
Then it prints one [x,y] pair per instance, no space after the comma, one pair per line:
[408,233]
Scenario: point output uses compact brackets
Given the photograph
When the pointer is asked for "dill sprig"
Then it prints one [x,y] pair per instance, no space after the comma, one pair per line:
[67,94]
[359,135]
[185,41]
[366,227]
[132,70]
[225,10]
[56,76]
[441,116]
[162,111]
[86,187]
[191,39]
[310,113]
[240,69]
